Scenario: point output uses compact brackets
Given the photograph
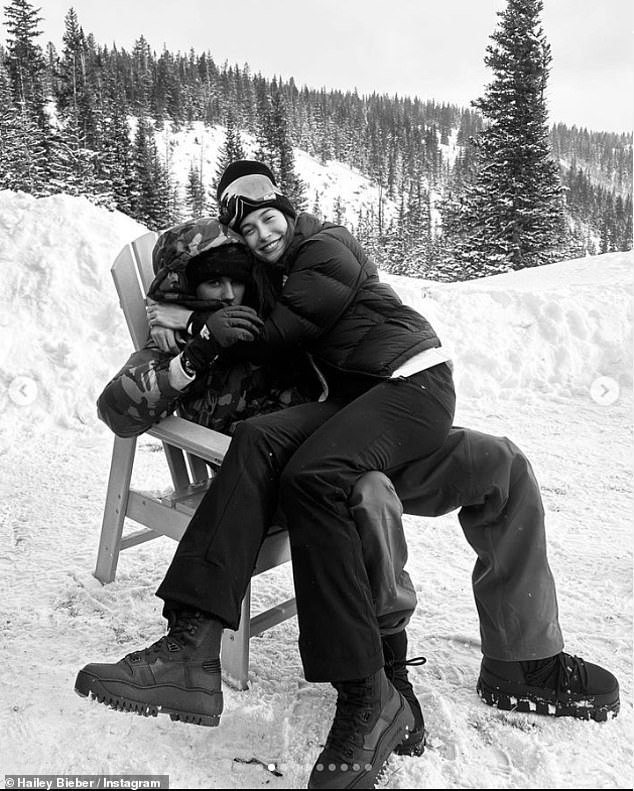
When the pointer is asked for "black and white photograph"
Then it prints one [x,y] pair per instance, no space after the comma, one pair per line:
[316,417]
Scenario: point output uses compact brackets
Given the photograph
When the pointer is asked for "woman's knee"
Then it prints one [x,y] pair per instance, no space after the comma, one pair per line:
[372,491]
[248,432]
[295,479]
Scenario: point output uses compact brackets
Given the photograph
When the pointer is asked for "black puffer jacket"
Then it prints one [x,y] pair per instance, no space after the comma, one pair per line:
[334,306]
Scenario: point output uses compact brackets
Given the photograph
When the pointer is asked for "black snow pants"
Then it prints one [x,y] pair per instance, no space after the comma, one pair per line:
[307,461]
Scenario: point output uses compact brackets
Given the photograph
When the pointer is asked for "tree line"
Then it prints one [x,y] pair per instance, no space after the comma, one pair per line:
[83,121]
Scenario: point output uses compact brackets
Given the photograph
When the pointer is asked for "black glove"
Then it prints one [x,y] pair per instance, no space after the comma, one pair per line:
[197,321]
[222,329]
[235,323]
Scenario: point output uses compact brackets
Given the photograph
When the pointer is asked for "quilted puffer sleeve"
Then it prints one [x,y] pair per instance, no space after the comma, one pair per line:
[140,394]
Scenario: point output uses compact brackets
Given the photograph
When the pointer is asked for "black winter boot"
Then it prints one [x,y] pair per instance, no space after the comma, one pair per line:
[370,720]
[178,675]
[396,662]
[562,686]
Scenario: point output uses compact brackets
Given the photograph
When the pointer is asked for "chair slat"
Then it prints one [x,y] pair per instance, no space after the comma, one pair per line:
[131,296]
[142,248]
[199,440]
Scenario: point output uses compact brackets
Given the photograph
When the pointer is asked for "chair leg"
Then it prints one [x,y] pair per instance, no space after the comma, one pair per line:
[235,648]
[115,508]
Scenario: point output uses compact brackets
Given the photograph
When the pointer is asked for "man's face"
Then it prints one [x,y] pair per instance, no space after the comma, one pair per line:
[223,288]
[264,231]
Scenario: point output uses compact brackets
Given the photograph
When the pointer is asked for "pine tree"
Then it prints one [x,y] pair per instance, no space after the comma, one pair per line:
[143,62]
[287,178]
[29,155]
[116,165]
[152,198]
[195,193]
[231,150]
[265,149]
[70,71]
[25,61]
[316,207]
[70,168]
[9,166]
[75,97]
[339,211]
[274,144]
[625,239]
[26,71]
[512,215]
[417,229]
[73,166]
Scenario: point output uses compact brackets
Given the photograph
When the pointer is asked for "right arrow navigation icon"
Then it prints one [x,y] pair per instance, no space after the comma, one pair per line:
[604,390]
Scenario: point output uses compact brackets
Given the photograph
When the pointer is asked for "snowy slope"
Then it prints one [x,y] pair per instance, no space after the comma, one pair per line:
[527,348]
[199,145]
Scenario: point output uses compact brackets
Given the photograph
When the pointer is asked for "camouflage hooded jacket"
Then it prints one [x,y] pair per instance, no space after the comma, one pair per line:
[140,394]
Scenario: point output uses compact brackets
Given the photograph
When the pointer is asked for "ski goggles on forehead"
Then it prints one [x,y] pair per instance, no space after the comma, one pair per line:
[246,194]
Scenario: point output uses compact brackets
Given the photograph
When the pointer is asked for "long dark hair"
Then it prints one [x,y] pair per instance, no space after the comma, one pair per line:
[263,288]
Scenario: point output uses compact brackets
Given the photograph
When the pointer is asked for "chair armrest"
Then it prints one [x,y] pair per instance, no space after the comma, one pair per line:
[192,438]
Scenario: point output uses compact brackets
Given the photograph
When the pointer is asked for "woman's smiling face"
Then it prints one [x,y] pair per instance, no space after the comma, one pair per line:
[264,231]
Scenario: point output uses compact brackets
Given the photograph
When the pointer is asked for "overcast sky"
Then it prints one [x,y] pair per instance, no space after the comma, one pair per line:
[433,49]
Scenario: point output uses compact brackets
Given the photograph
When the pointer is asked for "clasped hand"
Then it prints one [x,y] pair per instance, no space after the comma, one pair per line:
[235,323]
[222,329]
[165,322]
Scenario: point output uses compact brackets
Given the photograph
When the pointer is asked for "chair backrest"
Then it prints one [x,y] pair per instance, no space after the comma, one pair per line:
[132,274]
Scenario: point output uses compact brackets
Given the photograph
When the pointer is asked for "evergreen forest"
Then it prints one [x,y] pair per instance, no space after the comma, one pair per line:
[82,121]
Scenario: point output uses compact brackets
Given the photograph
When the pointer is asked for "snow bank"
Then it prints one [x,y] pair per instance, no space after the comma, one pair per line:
[60,323]
[554,329]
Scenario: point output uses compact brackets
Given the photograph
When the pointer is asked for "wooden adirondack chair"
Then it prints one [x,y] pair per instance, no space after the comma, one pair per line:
[191,450]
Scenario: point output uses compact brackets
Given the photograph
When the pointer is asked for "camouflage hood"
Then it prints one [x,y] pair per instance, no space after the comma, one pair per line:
[173,251]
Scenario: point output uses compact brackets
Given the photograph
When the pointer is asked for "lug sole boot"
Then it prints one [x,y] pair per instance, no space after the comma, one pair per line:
[179,675]
[370,720]
[560,686]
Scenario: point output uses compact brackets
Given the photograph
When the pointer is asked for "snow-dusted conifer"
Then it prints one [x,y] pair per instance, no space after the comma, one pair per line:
[194,192]
[76,97]
[25,59]
[8,133]
[231,150]
[512,215]
[29,155]
[152,201]
[274,144]
[116,163]
[339,210]
[73,166]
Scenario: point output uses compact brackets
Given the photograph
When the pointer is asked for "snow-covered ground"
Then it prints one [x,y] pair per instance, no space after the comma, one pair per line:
[529,348]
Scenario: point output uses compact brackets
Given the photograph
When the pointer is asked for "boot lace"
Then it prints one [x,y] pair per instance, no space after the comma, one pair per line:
[396,669]
[354,710]
[182,624]
[563,672]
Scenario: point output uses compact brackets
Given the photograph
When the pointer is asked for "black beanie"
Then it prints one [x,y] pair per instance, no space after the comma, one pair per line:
[256,189]
[243,167]
[231,260]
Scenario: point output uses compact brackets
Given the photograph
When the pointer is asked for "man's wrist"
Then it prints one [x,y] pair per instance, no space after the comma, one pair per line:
[186,365]
[177,377]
